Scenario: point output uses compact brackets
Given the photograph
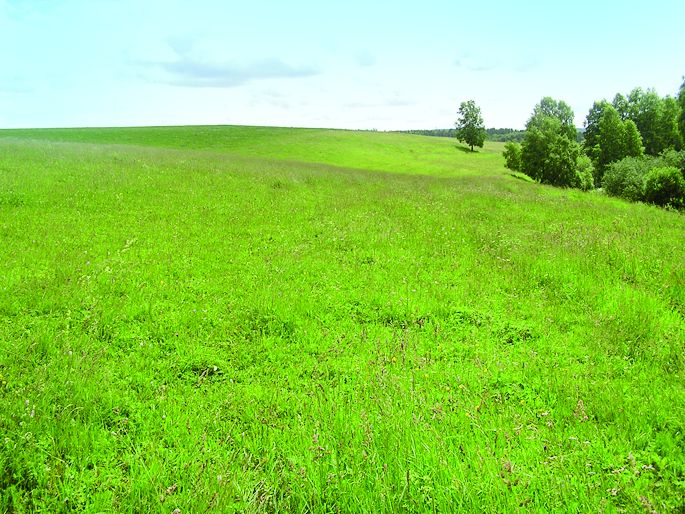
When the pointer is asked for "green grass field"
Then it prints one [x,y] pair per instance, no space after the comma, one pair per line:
[219,319]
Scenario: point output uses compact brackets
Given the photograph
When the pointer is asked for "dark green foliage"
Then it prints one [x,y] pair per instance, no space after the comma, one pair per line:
[504,135]
[611,140]
[669,133]
[559,110]
[673,158]
[549,151]
[622,105]
[656,118]
[681,118]
[633,140]
[501,135]
[644,179]
[591,134]
[625,178]
[470,127]
[534,150]
[614,139]
[512,155]
[560,165]
[665,186]
[584,173]
[432,132]
[644,108]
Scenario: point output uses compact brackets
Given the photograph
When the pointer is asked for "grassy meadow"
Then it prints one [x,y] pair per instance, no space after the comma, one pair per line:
[220,319]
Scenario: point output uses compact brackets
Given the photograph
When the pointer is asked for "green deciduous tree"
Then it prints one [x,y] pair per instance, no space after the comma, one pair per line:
[512,155]
[633,140]
[470,126]
[584,173]
[644,108]
[617,139]
[551,108]
[611,141]
[669,133]
[592,125]
[656,118]
[681,102]
[561,162]
[549,152]
[621,104]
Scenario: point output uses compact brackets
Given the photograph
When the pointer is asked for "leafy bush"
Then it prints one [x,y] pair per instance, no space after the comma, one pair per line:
[584,173]
[673,158]
[664,186]
[512,155]
[625,178]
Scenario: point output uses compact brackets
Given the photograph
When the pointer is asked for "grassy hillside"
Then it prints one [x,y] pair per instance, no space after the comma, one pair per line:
[359,150]
[243,319]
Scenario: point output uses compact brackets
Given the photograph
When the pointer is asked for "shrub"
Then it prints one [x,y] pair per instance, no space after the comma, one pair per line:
[673,158]
[625,178]
[584,173]
[512,155]
[665,186]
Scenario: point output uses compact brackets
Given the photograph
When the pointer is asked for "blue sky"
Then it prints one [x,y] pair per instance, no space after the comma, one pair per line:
[353,64]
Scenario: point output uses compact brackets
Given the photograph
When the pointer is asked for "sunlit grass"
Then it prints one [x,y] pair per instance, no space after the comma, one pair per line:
[266,320]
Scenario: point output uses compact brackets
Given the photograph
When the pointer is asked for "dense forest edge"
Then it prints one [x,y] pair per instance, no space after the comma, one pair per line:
[632,147]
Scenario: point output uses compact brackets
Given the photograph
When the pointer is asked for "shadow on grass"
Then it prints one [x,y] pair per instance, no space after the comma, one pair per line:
[465,149]
[521,176]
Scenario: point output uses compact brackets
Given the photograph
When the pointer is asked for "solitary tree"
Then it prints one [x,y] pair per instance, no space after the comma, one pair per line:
[470,126]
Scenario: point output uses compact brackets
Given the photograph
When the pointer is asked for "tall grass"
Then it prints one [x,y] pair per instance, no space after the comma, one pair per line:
[201,325]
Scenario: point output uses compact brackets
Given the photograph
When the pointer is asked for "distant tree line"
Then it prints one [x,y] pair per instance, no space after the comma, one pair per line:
[432,132]
[503,135]
[491,134]
[633,147]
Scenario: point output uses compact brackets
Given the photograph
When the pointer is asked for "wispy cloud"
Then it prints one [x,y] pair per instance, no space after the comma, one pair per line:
[189,72]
